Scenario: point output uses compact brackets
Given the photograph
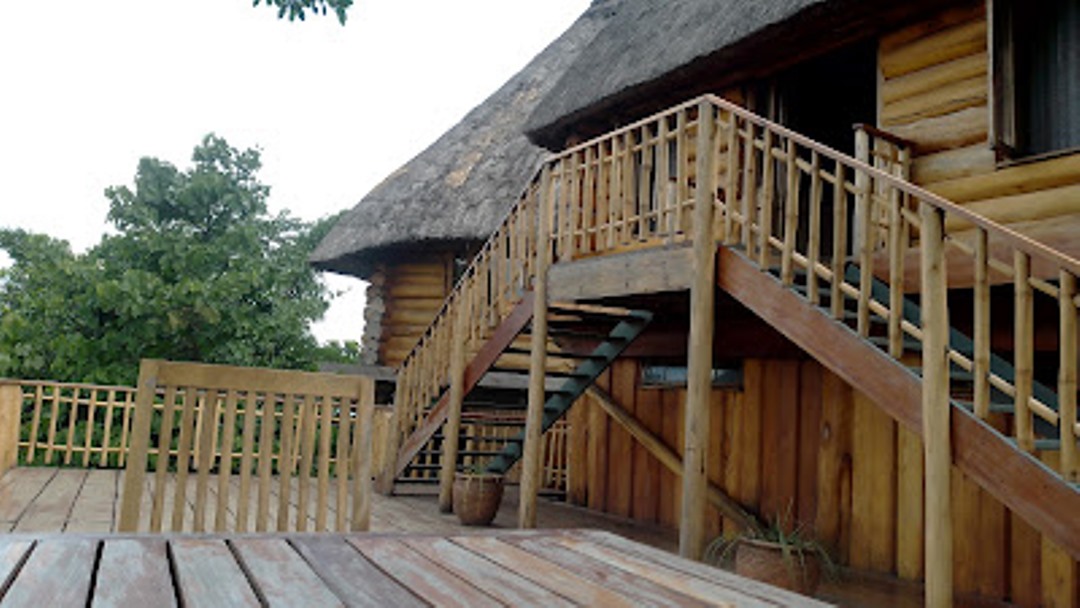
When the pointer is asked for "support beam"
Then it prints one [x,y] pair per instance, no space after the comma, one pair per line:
[452,431]
[667,457]
[530,466]
[936,409]
[692,529]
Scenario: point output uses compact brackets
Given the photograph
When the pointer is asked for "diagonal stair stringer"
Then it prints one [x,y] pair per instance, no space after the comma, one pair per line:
[1021,482]
[500,340]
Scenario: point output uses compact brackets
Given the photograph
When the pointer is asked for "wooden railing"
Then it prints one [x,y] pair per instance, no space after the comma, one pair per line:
[810,213]
[495,281]
[271,433]
[73,424]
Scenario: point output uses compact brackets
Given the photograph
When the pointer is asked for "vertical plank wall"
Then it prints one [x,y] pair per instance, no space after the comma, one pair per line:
[796,439]
[935,91]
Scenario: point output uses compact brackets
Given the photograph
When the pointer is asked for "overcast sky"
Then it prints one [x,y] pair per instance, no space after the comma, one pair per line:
[87,88]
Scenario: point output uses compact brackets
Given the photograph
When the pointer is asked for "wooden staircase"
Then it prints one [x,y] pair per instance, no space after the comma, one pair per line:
[832,251]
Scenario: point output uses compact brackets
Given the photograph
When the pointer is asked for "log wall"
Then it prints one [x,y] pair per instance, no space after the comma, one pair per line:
[935,90]
[402,301]
[797,440]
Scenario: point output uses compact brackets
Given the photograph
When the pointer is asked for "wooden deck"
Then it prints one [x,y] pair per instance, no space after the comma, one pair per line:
[533,568]
[50,500]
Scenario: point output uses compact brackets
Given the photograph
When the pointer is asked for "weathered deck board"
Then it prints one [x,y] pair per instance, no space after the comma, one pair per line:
[282,575]
[208,575]
[351,576]
[134,573]
[50,511]
[58,573]
[423,576]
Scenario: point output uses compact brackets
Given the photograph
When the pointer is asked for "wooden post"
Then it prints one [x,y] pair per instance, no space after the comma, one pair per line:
[135,469]
[863,233]
[1067,377]
[935,408]
[10,410]
[695,484]
[1023,341]
[981,395]
[385,483]
[530,466]
[452,430]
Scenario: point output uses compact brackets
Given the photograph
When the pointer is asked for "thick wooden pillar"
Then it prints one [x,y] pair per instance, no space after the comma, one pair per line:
[452,430]
[695,485]
[935,409]
[530,465]
[10,410]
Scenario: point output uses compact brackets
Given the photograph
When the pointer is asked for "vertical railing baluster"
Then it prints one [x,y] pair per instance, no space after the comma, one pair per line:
[749,189]
[981,295]
[1070,467]
[864,230]
[732,184]
[897,246]
[1023,327]
[765,228]
[813,246]
[791,214]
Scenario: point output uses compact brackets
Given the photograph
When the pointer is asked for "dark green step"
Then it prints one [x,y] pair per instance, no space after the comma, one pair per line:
[614,343]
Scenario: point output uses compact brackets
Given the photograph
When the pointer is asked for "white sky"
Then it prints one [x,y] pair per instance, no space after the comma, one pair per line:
[87,88]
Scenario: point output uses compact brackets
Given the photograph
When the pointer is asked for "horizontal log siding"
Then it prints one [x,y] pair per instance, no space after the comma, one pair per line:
[935,91]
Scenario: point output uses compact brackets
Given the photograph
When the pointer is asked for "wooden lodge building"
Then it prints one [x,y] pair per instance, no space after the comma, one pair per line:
[739,306]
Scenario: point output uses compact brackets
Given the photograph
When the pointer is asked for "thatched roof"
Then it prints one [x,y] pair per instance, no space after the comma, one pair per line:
[654,50]
[461,186]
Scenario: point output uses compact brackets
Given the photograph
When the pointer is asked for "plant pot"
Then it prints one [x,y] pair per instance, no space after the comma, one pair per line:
[799,571]
[477,497]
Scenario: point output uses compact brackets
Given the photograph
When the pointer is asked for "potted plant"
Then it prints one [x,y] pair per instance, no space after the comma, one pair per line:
[477,495]
[776,553]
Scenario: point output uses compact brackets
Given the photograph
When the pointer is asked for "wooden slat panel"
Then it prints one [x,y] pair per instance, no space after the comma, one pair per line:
[351,576]
[597,458]
[779,434]
[620,472]
[503,584]
[281,575]
[424,577]
[134,573]
[645,504]
[208,575]
[810,373]
[57,573]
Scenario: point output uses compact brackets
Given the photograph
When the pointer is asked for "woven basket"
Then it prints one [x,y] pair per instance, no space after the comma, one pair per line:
[477,497]
[764,561]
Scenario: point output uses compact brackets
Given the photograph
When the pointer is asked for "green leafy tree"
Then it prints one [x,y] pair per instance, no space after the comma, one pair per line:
[298,9]
[197,270]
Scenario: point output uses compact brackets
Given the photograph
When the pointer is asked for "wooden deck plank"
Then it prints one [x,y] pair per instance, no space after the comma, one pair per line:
[424,577]
[281,575]
[643,592]
[12,554]
[58,573]
[134,573]
[543,572]
[18,488]
[354,579]
[95,507]
[207,574]
[751,587]
[506,585]
[50,511]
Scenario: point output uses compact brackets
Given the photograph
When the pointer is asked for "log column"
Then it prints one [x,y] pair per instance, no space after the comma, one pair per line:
[936,409]
[692,528]
[530,465]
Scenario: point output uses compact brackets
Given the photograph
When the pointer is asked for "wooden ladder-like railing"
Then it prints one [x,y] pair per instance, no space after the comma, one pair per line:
[811,214]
